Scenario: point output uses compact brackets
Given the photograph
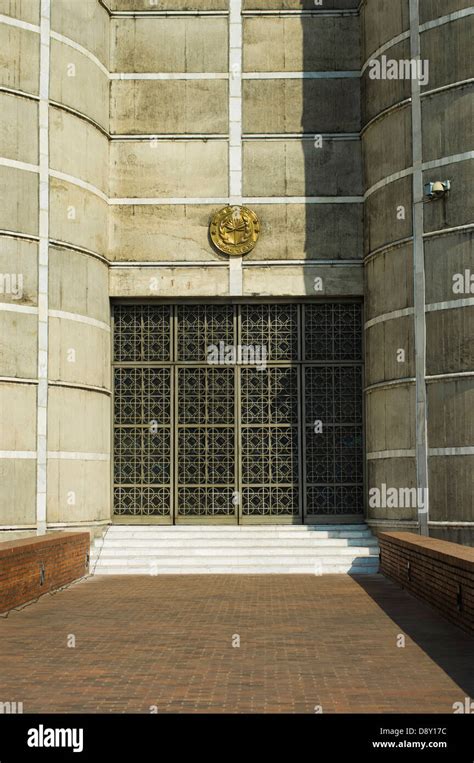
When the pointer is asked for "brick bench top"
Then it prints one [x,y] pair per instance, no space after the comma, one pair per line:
[12,546]
[445,551]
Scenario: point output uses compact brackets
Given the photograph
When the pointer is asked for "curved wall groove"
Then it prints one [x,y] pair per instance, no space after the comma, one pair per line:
[446,106]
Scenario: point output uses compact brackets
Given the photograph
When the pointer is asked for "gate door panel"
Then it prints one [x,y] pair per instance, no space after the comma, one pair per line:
[271,435]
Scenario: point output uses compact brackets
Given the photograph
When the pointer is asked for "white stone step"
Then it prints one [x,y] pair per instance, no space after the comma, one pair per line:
[334,569]
[219,528]
[190,543]
[229,551]
[233,561]
[167,534]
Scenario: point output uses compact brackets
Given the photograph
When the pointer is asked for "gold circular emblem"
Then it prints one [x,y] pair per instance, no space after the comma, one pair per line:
[234,230]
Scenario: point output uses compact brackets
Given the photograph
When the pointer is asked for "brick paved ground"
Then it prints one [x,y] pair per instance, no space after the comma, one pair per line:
[167,641]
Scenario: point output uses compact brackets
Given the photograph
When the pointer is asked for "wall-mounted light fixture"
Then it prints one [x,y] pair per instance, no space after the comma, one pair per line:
[437,190]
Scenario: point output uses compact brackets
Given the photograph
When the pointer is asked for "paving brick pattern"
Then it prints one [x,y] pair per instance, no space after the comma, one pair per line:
[305,641]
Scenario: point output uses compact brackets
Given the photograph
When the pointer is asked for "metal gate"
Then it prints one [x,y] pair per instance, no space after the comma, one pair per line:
[227,413]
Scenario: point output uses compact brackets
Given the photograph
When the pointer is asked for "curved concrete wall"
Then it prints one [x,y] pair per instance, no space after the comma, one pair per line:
[55,360]
[79,314]
[400,307]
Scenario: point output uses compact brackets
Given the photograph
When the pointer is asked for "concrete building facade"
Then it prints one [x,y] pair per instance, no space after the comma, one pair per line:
[125,125]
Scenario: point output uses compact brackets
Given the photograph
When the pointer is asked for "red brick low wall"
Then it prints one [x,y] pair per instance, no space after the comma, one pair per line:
[439,572]
[32,567]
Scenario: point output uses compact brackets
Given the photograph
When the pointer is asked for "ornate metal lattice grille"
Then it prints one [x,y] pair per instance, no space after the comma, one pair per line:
[269,429]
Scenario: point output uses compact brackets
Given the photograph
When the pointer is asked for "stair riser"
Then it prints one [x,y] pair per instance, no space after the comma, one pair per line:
[331,570]
[235,561]
[205,554]
[238,543]
[229,537]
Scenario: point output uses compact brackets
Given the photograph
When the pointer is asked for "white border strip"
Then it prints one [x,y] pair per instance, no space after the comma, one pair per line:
[80,49]
[11,21]
[451,305]
[468,450]
[419,282]
[251,200]
[450,377]
[17,380]
[464,157]
[235,131]
[389,316]
[379,454]
[80,183]
[386,46]
[168,75]
[11,307]
[66,455]
[167,200]
[43,267]
[78,318]
[30,454]
[304,200]
[455,16]
[353,73]
[16,165]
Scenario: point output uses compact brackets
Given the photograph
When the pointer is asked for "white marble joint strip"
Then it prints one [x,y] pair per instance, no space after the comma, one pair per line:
[390,316]
[130,201]
[66,455]
[388,384]
[419,286]
[20,454]
[379,454]
[450,86]
[10,21]
[355,74]
[464,157]
[451,305]
[463,451]
[384,47]
[454,376]
[441,20]
[11,307]
[17,380]
[235,130]
[167,75]
[79,319]
[303,200]
[42,394]
[80,49]
[16,165]
[81,183]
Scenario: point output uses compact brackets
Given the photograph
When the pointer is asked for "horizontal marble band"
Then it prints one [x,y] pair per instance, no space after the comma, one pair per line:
[467,450]
[63,315]
[20,454]
[411,453]
[388,384]
[390,316]
[66,455]
[379,454]
[17,380]
[77,385]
